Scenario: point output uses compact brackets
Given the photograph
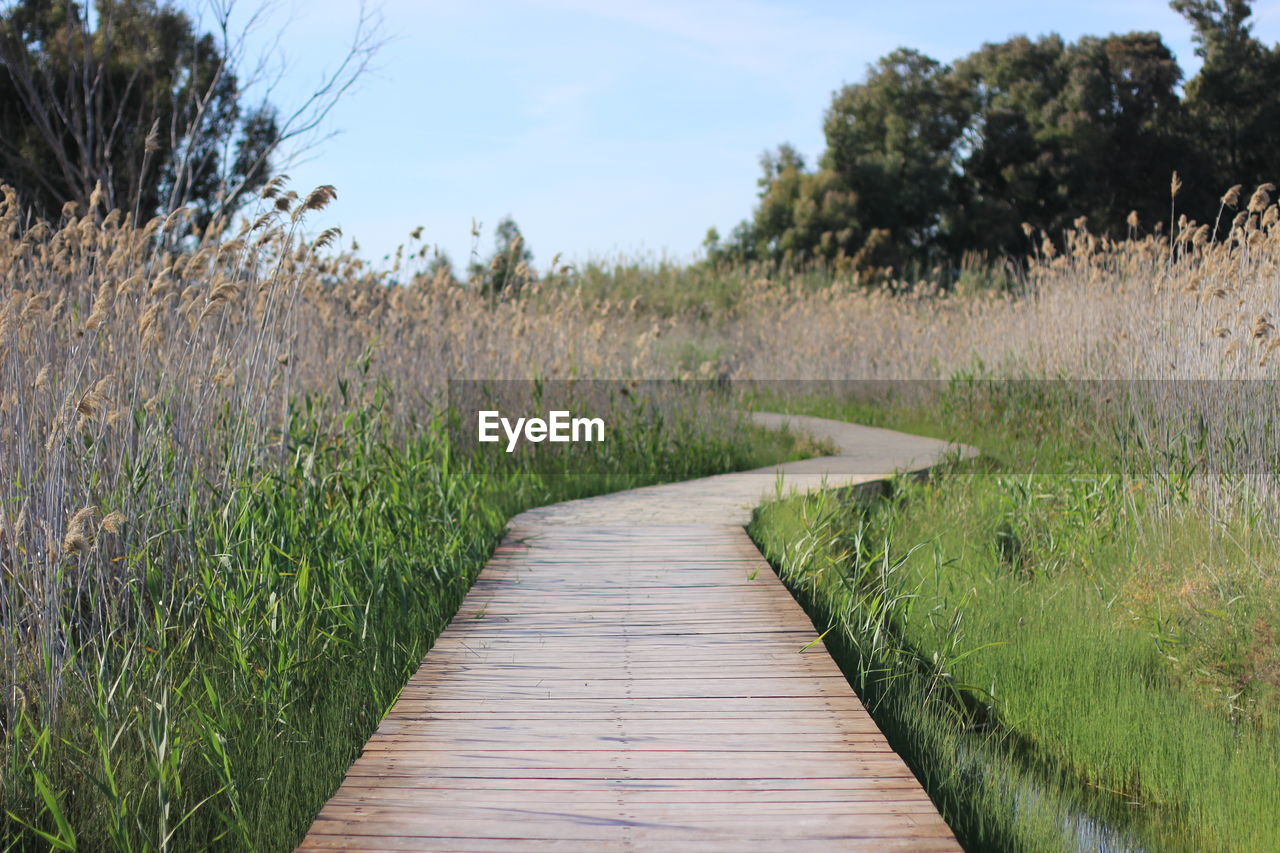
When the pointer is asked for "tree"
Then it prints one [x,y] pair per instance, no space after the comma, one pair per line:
[1233,102]
[134,100]
[894,141]
[1015,165]
[801,216]
[507,270]
[1128,86]
[1062,130]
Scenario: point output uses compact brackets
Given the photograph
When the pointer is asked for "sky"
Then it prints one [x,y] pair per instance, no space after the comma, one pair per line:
[611,128]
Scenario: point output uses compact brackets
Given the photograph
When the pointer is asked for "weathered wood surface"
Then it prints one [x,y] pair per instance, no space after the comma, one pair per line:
[629,674]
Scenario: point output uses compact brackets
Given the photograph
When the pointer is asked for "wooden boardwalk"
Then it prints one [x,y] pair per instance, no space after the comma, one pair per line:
[629,674]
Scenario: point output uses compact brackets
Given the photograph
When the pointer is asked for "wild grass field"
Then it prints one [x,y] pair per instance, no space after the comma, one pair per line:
[1070,654]
[231,521]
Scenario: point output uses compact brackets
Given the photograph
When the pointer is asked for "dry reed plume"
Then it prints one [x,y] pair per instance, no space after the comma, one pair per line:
[1101,309]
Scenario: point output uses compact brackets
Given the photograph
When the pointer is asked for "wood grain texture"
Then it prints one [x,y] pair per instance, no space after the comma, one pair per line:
[629,674]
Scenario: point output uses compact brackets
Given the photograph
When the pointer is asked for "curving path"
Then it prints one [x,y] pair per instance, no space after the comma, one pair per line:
[628,673]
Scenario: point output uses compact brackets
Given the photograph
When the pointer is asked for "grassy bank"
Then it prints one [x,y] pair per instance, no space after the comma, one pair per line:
[1065,645]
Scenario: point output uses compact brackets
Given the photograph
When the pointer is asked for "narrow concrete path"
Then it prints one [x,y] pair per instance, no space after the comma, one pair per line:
[629,674]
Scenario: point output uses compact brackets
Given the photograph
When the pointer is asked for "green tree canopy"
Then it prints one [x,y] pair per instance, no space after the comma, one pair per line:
[894,140]
[1060,131]
[925,161]
[1234,102]
[801,215]
[130,98]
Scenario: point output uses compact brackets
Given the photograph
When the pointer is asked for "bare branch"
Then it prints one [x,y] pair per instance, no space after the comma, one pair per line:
[90,113]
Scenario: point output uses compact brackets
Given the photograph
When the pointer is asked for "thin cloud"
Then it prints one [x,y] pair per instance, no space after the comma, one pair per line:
[752,36]
[557,102]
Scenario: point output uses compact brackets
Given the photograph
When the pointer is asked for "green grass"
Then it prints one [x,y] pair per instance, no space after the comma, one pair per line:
[704,291]
[1056,636]
[711,292]
[235,691]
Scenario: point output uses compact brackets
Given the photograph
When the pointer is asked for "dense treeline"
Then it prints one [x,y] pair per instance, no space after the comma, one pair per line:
[926,161]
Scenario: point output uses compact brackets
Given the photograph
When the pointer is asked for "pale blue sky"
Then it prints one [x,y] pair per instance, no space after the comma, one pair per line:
[612,128]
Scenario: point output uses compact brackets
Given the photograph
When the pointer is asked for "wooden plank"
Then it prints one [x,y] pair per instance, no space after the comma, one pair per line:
[639,729]
[852,788]
[882,796]
[623,707]
[554,737]
[490,844]
[535,824]
[797,666]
